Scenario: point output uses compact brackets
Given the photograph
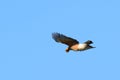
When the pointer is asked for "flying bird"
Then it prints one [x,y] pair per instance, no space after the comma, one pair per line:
[73,44]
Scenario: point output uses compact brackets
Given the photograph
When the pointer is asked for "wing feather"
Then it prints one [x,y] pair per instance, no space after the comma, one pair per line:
[64,39]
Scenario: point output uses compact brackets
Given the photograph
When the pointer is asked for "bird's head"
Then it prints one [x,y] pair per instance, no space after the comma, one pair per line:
[89,42]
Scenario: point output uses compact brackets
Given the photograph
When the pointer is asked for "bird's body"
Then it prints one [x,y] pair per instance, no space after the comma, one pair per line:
[78,47]
[72,43]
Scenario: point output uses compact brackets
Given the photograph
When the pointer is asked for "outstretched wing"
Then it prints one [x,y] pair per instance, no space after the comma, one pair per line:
[64,39]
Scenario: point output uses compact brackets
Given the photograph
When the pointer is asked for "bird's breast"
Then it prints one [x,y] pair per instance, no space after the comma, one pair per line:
[82,46]
[78,47]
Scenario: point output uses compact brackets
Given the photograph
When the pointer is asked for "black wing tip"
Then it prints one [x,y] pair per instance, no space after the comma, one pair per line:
[56,33]
[55,36]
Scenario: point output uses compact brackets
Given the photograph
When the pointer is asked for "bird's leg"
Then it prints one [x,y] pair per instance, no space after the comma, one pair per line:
[67,49]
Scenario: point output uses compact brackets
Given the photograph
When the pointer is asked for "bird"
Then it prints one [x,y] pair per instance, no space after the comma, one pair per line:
[72,44]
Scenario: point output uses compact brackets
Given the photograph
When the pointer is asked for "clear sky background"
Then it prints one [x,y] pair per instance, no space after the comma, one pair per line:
[28,52]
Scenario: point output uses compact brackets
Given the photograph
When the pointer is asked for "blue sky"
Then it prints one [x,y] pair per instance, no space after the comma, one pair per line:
[27,51]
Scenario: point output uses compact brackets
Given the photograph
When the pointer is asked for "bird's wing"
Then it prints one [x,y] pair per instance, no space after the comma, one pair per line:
[64,39]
